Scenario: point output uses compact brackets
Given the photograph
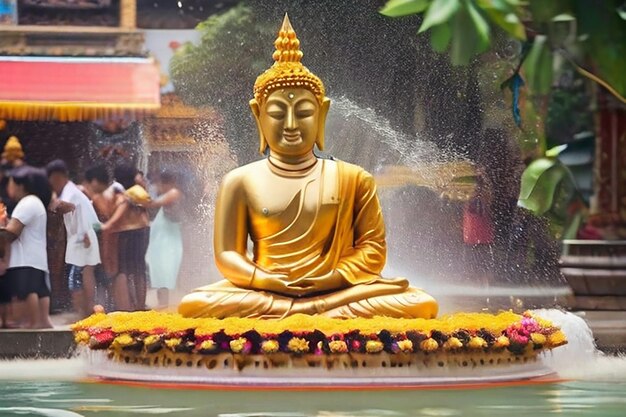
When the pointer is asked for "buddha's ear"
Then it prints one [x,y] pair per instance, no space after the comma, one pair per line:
[321,123]
[256,112]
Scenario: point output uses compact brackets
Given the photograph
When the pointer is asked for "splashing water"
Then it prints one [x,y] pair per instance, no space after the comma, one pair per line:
[579,359]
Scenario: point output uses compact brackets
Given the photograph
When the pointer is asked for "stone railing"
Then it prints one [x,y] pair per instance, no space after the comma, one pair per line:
[596,271]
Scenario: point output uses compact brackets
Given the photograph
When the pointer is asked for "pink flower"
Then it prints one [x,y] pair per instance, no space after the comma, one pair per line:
[518,338]
[530,325]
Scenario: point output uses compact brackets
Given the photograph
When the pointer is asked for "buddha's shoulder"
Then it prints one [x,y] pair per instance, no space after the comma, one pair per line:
[352,170]
[240,174]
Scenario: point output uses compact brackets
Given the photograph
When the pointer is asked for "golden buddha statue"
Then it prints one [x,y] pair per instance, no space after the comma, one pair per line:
[315,224]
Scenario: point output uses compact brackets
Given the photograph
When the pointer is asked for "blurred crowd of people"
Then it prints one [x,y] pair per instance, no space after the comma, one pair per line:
[111,243]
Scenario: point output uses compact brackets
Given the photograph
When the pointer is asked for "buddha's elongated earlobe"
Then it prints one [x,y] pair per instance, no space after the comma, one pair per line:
[321,123]
[256,111]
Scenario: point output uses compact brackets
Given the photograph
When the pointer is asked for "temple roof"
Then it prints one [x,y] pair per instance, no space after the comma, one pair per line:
[77,89]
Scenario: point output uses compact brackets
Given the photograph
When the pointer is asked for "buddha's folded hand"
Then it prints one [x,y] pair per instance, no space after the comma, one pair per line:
[269,281]
[316,284]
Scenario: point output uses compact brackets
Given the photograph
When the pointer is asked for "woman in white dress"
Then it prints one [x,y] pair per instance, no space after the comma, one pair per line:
[165,250]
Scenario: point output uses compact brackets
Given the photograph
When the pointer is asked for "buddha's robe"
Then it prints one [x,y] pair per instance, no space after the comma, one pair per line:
[332,223]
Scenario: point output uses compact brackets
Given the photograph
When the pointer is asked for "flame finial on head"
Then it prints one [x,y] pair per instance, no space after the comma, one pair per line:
[287,71]
[287,44]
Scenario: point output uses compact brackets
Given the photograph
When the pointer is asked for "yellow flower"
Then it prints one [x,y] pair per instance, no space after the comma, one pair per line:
[374,346]
[405,346]
[172,343]
[543,323]
[429,345]
[81,336]
[502,342]
[270,346]
[148,321]
[237,345]
[91,321]
[208,345]
[453,343]
[338,346]
[477,343]
[538,338]
[557,339]
[298,345]
[123,340]
[153,338]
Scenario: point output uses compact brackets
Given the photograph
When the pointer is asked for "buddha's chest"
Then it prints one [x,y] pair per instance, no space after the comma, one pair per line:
[277,204]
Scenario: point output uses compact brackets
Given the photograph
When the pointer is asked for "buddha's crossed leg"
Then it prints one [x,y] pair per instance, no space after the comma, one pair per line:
[392,298]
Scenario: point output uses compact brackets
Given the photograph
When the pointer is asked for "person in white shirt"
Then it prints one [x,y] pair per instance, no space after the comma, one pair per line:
[82,253]
[26,230]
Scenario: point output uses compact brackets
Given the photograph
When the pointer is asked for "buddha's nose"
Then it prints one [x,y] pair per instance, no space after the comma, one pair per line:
[290,123]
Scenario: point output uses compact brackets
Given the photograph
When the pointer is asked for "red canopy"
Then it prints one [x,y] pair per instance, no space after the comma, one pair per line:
[77,89]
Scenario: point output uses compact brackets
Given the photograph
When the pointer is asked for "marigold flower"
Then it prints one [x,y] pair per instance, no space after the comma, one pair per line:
[338,346]
[153,338]
[429,345]
[173,343]
[405,345]
[270,346]
[81,336]
[557,339]
[453,343]
[240,345]
[208,345]
[374,346]
[477,343]
[502,342]
[298,345]
[538,338]
[123,340]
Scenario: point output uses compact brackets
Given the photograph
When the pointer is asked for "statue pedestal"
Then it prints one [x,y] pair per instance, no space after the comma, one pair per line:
[417,371]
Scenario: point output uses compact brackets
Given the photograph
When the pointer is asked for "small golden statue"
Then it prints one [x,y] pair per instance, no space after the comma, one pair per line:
[316,224]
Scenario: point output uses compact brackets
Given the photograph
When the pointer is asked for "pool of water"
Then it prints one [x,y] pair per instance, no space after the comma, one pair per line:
[70,399]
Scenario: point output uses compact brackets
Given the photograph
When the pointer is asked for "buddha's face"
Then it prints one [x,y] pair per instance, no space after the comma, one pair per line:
[290,121]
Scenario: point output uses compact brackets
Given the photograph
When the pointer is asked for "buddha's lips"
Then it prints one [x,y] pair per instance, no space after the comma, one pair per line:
[292,137]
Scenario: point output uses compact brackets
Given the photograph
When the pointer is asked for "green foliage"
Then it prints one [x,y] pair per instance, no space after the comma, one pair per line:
[538,66]
[602,39]
[221,69]
[502,14]
[581,30]
[548,189]
[467,23]
[439,11]
[440,37]
[397,8]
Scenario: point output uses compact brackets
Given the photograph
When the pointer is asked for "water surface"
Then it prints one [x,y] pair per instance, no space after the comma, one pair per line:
[70,399]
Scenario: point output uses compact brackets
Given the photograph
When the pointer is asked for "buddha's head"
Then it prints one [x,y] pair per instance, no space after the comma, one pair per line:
[289,104]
